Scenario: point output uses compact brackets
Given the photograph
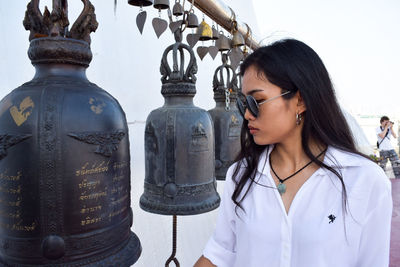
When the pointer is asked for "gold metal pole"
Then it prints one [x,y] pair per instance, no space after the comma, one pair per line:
[222,14]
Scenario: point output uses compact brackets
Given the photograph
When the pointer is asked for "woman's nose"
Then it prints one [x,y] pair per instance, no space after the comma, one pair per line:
[248,116]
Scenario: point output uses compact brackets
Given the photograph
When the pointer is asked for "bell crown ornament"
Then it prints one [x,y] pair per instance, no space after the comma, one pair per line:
[178,73]
[140,2]
[51,41]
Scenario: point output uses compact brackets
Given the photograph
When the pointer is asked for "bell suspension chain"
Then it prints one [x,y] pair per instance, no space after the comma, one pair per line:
[227,99]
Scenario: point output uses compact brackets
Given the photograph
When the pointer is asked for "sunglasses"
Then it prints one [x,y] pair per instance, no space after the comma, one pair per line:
[252,105]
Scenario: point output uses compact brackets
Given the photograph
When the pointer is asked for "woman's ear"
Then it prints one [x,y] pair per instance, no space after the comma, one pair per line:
[301,106]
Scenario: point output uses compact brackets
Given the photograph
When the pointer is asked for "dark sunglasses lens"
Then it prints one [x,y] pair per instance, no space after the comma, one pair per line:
[252,105]
[240,106]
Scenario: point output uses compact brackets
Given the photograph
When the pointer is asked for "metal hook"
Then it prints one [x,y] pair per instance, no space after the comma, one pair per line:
[233,20]
[248,34]
[191,6]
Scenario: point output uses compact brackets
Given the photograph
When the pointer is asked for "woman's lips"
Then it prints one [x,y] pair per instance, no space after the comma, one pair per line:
[253,130]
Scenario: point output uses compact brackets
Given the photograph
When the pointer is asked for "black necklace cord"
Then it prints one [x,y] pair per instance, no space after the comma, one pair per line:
[290,176]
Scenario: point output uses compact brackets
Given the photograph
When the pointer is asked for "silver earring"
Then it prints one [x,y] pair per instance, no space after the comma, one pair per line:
[298,118]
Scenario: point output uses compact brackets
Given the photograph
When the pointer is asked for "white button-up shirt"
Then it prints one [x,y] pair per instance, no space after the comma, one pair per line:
[315,232]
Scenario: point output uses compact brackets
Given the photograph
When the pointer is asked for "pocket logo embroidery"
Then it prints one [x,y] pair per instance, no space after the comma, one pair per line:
[331,218]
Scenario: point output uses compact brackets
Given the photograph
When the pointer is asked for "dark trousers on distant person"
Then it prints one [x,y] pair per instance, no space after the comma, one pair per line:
[394,160]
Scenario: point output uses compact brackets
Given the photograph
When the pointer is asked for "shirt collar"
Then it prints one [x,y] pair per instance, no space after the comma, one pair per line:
[333,158]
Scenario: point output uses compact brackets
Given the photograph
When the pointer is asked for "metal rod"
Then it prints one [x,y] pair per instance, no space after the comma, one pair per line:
[174,233]
[222,14]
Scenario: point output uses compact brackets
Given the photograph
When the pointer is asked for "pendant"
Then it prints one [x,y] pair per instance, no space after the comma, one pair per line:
[281,188]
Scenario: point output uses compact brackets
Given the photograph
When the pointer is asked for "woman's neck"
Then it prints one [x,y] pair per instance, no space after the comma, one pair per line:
[292,155]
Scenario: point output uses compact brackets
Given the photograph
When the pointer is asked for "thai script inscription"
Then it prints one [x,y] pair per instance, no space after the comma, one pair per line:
[17,177]
[89,185]
[120,165]
[89,220]
[91,209]
[11,201]
[16,190]
[18,226]
[94,169]
[95,196]
[100,198]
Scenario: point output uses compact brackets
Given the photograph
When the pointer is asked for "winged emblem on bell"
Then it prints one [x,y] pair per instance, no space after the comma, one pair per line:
[107,142]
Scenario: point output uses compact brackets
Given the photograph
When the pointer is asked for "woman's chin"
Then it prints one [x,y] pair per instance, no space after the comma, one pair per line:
[261,141]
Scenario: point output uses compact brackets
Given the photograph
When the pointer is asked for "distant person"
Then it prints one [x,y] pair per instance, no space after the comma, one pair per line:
[386,149]
[299,193]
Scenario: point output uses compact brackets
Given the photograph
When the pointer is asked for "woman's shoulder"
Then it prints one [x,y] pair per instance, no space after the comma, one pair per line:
[357,170]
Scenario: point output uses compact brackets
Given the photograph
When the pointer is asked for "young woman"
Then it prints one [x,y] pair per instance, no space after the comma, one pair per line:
[300,194]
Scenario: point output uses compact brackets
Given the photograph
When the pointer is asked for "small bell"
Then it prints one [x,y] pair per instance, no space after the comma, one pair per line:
[192,21]
[177,10]
[237,39]
[223,43]
[204,31]
[140,2]
[215,34]
[161,4]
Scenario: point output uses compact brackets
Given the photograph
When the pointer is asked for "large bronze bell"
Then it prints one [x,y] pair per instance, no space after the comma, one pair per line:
[64,157]
[161,4]
[140,2]
[179,144]
[226,117]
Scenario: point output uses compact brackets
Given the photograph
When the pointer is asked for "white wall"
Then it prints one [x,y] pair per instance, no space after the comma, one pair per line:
[126,64]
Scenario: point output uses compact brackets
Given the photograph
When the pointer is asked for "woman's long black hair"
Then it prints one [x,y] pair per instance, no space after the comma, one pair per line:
[294,66]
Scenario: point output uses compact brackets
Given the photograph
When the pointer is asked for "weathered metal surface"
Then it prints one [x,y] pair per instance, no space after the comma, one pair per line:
[179,144]
[65,163]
